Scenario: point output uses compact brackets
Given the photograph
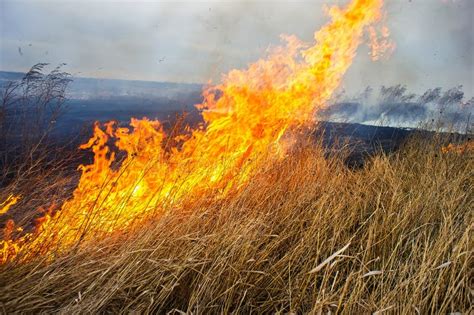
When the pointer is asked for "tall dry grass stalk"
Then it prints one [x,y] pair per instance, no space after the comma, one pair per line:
[305,235]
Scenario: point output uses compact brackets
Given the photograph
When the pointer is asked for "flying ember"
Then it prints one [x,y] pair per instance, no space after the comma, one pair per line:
[246,119]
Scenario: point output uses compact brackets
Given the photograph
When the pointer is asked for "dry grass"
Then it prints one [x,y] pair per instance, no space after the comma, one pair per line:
[305,235]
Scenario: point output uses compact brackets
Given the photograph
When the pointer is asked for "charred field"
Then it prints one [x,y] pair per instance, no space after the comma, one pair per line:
[271,191]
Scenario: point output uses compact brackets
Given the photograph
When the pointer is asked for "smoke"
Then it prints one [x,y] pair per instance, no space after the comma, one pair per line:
[195,41]
[396,106]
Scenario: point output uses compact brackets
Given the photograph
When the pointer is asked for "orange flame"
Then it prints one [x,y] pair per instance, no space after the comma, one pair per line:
[380,45]
[245,116]
[458,148]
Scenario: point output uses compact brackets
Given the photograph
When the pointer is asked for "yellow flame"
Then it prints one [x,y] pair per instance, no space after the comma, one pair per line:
[6,205]
[245,116]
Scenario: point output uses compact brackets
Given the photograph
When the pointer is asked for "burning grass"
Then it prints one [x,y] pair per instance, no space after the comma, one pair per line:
[253,112]
[305,234]
[237,215]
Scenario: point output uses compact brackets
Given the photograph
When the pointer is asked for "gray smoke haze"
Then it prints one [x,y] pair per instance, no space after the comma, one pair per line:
[435,41]
[396,106]
[194,41]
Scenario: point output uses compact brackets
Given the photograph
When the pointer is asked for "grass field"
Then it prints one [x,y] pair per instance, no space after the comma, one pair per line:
[307,234]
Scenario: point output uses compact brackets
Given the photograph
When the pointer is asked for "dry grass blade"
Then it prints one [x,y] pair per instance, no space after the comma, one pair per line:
[329,259]
[372,273]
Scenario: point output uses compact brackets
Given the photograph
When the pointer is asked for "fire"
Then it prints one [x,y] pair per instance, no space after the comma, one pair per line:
[6,205]
[380,45]
[458,148]
[250,113]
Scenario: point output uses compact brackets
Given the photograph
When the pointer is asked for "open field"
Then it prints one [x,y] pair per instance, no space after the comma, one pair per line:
[263,193]
[305,234]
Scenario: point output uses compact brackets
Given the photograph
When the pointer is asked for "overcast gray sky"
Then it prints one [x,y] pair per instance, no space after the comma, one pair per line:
[194,41]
